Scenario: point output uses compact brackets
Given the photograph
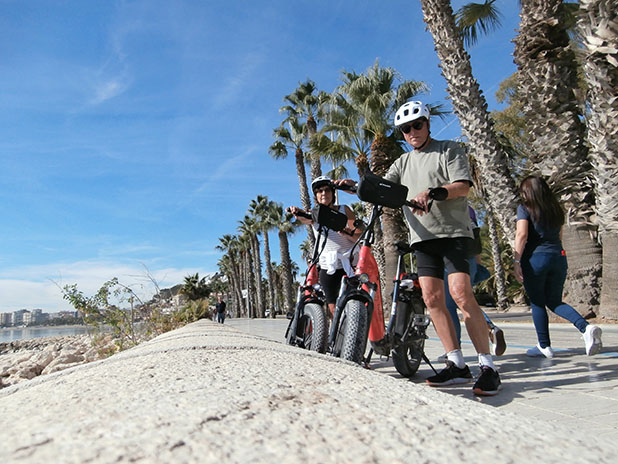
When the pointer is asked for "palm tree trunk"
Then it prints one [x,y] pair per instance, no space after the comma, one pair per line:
[257,273]
[393,226]
[316,165]
[548,81]
[600,59]
[286,263]
[582,287]
[269,274]
[499,274]
[471,108]
[305,198]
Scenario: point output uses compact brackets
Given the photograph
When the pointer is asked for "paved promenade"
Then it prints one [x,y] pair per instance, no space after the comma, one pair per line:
[571,389]
[212,393]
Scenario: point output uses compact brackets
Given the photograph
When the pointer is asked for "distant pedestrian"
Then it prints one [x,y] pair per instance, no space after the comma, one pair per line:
[220,310]
[541,264]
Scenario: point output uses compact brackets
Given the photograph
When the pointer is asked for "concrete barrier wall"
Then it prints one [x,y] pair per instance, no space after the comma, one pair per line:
[208,393]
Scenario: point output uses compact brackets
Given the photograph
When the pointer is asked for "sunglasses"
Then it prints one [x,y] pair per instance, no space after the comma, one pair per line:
[323,189]
[416,125]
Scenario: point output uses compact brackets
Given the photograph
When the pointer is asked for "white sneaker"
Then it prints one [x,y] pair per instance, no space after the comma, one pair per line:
[592,339]
[537,352]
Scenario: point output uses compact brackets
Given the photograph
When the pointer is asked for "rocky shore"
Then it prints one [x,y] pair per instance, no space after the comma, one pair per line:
[25,359]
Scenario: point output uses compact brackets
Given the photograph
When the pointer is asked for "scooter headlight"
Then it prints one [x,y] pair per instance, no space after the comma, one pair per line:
[363,278]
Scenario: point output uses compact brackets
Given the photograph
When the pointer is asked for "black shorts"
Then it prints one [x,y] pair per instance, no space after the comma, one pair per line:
[433,256]
[331,284]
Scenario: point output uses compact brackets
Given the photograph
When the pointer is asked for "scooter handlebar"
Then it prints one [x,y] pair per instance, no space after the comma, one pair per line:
[303,214]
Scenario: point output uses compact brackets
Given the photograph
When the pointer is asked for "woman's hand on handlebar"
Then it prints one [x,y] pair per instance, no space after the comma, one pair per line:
[347,185]
[300,214]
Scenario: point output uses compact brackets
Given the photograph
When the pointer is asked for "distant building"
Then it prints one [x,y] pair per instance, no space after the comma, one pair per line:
[6,319]
[26,318]
[18,317]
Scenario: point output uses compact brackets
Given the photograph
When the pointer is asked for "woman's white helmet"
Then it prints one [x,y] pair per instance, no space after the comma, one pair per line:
[411,111]
[321,181]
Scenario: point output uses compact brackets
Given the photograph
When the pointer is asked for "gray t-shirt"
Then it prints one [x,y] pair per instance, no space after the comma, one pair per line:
[441,162]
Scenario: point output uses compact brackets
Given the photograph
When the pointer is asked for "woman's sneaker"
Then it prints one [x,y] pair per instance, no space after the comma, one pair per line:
[592,339]
[488,383]
[450,375]
[496,335]
[538,352]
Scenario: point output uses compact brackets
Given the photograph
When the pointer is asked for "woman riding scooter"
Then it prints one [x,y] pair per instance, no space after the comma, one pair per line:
[337,243]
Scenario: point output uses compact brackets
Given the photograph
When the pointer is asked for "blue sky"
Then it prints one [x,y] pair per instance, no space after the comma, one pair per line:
[133,134]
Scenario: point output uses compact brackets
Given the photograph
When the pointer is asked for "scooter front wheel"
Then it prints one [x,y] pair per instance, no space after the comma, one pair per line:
[312,328]
[352,333]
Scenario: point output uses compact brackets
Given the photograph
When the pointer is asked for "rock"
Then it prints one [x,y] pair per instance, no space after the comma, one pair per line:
[25,359]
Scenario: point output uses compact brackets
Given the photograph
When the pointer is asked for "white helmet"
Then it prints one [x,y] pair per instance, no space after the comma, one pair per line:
[411,111]
[320,181]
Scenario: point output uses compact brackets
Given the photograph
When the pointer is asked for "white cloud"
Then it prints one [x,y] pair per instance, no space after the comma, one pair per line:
[244,75]
[30,287]
[109,89]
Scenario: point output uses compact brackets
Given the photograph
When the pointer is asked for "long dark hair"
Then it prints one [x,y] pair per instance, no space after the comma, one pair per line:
[541,202]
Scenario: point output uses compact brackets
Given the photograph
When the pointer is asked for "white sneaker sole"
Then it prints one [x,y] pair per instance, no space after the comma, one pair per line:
[597,344]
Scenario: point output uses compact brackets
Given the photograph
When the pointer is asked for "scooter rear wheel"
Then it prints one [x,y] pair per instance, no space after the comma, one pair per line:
[407,356]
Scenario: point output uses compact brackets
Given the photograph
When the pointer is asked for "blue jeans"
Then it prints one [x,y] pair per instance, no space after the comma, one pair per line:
[220,317]
[544,276]
[475,278]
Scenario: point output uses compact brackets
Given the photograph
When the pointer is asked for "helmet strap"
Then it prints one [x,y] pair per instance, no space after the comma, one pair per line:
[424,143]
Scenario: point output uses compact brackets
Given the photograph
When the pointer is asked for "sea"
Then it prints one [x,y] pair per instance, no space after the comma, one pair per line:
[9,334]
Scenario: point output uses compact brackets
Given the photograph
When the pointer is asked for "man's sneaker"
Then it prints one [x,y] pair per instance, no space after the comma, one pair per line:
[488,383]
[496,335]
[450,375]
[592,339]
[538,352]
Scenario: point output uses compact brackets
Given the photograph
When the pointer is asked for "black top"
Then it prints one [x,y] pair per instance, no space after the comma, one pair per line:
[540,239]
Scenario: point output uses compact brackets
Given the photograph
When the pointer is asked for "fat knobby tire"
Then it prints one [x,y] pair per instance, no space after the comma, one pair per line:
[407,358]
[313,325]
[353,329]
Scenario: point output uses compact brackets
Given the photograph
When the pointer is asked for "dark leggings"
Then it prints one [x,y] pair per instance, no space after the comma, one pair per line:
[331,284]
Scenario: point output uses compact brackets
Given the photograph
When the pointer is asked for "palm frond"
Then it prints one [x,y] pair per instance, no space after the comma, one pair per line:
[477,18]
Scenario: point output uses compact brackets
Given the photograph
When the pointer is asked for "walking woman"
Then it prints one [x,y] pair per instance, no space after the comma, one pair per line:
[541,264]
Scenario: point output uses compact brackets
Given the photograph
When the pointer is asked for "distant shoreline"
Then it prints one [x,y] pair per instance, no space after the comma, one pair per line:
[35,327]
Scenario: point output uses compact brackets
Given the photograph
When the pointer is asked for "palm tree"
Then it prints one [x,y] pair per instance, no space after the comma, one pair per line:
[471,109]
[547,72]
[599,45]
[250,229]
[291,135]
[285,227]
[302,105]
[262,209]
[473,17]
[230,245]
[247,277]
[195,288]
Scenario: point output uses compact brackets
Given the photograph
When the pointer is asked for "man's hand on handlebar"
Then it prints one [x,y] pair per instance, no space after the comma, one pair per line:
[422,201]
[421,204]
[347,185]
